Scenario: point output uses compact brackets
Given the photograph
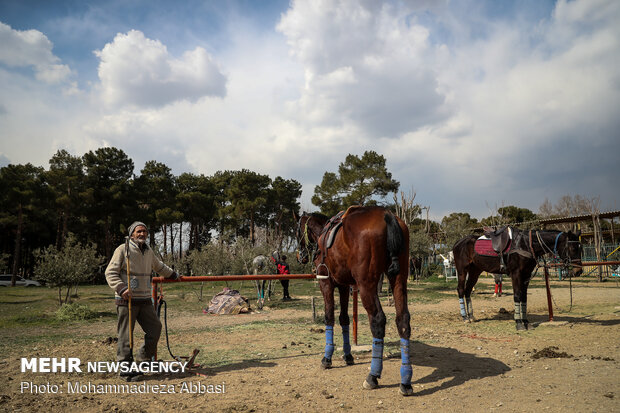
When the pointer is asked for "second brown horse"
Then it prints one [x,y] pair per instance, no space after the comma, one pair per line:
[370,242]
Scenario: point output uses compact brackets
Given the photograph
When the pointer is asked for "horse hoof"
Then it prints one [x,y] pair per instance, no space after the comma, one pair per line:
[406,390]
[520,325]
[326,363]
[348,359]
[371,382]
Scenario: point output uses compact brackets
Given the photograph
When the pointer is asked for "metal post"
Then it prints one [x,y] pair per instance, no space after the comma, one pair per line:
[548,294]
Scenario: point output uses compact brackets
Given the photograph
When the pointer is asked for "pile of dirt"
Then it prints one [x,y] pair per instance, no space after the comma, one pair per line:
[550,353]
[110,340]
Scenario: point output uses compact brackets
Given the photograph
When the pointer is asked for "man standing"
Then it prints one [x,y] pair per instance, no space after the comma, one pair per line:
[142,261]
[283,269]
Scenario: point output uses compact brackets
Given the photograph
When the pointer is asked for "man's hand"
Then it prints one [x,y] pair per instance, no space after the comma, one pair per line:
[126,295]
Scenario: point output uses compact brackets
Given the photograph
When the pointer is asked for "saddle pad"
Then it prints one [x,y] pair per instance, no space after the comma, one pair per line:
[483,246]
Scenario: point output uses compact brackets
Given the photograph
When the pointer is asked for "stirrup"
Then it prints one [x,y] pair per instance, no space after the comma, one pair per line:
[319,276]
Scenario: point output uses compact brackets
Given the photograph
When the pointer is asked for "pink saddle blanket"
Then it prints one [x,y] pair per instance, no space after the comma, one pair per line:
[483,246]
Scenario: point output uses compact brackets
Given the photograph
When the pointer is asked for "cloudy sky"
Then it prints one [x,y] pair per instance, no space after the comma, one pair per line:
[475,104]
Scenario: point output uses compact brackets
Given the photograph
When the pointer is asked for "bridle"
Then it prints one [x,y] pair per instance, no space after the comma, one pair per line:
[564,256]
[561,256]
[310,248]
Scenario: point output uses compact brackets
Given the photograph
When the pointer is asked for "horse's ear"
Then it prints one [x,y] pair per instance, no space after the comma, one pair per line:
[295,217]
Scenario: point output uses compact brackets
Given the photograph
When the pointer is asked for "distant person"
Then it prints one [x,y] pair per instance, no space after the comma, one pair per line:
[142,262]
[283,268]
[498,285]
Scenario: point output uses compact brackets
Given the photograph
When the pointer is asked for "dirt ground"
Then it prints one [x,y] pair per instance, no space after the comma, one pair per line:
[571,364]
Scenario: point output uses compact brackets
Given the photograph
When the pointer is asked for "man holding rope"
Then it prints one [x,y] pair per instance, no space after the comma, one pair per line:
[135,260]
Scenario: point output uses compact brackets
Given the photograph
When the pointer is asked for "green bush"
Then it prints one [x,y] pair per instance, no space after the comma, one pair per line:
[67,267]
[74,311]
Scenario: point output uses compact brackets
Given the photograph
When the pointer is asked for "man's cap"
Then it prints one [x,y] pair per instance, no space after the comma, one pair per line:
[133,226]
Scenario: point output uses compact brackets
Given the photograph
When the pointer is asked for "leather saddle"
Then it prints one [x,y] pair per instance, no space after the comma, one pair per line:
[326,240]
[500,238]
[330,229]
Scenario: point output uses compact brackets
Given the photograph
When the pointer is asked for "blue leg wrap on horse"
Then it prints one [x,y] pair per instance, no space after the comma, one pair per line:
[329,342]
[346,345]
[376,365]
[462,304]
[405,369]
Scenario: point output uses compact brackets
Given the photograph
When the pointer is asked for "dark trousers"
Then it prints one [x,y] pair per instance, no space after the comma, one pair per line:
[144,314]
[285,288]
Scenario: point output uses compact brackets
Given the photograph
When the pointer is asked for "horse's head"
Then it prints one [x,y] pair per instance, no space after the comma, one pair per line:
[571,252]
[303,239]
[309,227]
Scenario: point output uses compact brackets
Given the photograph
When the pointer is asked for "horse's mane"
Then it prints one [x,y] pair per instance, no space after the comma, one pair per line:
[318,215]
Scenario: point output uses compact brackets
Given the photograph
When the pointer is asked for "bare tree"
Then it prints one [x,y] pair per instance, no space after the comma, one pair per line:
[405,208]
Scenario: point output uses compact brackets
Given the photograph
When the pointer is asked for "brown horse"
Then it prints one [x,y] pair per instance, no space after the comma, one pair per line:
[525,249]
[371,241]
[415,267]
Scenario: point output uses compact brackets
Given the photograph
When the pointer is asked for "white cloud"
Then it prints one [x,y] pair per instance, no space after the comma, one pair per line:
[468,110]
[366,62]
[31,48]
[135,70]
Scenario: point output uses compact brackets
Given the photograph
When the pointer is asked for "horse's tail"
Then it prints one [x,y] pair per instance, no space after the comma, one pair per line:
[395,240]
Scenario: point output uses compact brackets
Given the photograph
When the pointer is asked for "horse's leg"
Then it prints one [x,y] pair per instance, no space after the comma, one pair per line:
[269,289]
[403,324]
[520,307]
[376,318]
[526,282]
[327,288]
[259,301]
[472,279]
[461,272]
[520,283]
[344,323]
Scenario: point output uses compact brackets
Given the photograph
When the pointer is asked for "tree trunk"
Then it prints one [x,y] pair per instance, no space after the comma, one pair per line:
[191,236]
[108,239]
[164,229]
[63,236]
[252,240]
[18,244]
[181,240]
[196,238]
[171,241]
[59,229]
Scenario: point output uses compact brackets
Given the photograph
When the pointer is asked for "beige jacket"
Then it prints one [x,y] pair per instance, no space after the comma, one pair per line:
[142,262]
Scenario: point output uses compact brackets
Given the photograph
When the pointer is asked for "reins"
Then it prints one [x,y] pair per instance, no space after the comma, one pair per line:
[567,262]
[310,247]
